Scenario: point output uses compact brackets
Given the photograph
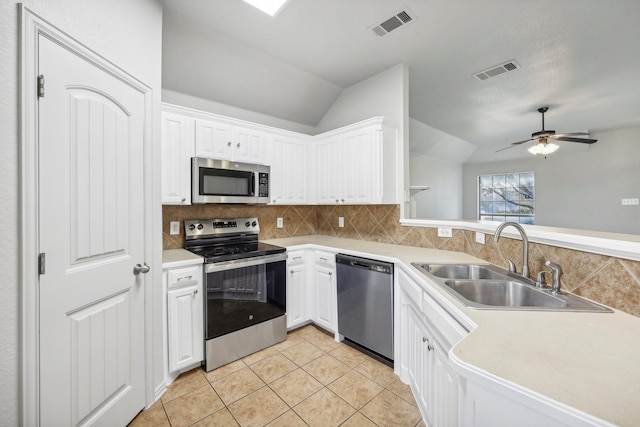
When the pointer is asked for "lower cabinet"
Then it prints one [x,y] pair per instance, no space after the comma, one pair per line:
[325,311]
[185,324]
[297,311]
[311,289]
[423,356]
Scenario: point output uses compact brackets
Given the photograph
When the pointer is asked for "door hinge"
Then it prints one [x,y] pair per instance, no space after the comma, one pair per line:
[40,86]
[41,263]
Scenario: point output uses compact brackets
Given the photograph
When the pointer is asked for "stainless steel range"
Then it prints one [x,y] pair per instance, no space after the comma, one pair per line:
[245,283]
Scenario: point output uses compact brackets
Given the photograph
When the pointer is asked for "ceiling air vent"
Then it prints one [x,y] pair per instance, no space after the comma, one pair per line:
[496,71]
[399,19]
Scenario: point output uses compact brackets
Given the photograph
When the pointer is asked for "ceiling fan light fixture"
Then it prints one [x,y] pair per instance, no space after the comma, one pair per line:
[543,148]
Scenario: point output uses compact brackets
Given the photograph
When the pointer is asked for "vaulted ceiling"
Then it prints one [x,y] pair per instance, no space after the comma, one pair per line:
[579,57]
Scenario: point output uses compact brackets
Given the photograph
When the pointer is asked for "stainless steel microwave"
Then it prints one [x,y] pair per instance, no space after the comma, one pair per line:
[223,181]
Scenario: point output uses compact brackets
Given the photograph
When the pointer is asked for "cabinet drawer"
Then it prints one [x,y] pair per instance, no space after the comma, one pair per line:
[183,276]
[325,258]
[295,257]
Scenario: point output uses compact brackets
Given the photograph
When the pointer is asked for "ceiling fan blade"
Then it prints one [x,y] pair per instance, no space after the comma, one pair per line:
[572,134]
[572,139]
[522,142]
[506,148]
[513,144]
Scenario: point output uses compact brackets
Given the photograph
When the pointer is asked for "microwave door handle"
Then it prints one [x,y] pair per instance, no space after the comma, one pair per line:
[253,183]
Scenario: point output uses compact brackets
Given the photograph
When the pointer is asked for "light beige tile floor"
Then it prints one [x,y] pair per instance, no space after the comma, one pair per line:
[307,380]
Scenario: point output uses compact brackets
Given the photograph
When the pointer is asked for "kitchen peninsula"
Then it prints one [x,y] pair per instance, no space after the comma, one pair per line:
[575,368]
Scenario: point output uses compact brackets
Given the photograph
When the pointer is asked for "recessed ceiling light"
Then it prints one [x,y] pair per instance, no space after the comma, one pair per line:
[270,7]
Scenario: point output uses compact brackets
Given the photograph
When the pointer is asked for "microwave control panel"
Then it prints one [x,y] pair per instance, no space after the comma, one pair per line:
[263,184]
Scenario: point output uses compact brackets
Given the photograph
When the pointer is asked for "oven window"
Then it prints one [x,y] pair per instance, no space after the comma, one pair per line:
[221,182]
[244,296]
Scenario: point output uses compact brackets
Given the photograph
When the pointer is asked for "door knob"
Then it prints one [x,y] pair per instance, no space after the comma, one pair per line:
[137,269]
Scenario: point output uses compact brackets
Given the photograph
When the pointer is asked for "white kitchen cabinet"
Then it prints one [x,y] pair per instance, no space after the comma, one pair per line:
[217,139]
[325,309]
[289,170]
[185,321]
[297,284]
[176,151]
[423,353]
[356,164]
[331,163]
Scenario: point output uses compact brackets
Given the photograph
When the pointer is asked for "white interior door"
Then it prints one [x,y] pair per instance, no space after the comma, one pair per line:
[91,230]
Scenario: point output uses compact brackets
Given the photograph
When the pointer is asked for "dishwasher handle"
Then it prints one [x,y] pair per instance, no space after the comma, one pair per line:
[365,263]
[360,264]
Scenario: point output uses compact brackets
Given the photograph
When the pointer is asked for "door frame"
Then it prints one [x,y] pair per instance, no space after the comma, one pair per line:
[31,27]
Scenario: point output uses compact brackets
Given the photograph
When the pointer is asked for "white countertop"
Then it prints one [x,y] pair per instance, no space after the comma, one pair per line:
[589,361]
[179,258]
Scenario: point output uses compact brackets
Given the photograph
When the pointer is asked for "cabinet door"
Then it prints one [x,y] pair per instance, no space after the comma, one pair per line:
[444,399]
[296,296]
[357,150]
[177,148]
[288,159]
[420,361]
[214,140]
[248,146]
[325,298]
[185,324]
[330,160]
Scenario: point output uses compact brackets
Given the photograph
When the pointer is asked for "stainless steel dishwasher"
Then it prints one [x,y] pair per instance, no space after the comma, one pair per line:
[365,303]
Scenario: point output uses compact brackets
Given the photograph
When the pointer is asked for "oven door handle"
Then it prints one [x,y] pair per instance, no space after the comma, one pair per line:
[244,262]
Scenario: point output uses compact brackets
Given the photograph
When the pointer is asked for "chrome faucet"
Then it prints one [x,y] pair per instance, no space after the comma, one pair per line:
[525,247]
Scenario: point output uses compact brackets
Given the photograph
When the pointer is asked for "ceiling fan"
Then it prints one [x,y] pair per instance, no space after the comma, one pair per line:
[543,146]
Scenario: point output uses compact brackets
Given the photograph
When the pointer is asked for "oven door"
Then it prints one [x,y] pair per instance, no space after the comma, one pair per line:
[245,292]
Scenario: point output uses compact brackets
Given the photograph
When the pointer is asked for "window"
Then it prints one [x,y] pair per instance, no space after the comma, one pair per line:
[507,197]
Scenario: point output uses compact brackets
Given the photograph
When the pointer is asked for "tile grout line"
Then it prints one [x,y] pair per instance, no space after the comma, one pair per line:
[298,366]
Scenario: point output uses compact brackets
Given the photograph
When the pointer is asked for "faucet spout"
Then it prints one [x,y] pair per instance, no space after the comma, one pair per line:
[525,243]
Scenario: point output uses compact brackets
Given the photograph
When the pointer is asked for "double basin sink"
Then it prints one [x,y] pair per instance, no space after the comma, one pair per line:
[485,286]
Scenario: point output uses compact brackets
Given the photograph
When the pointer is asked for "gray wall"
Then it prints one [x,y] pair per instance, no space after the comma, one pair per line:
[580,190]
[128,33]
[442,200]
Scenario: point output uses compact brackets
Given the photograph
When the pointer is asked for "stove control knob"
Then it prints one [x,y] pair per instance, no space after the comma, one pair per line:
[247,224]
[192,227]
[200,226]
[254,223]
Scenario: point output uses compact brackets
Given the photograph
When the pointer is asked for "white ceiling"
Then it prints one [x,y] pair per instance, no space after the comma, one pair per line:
[579,57]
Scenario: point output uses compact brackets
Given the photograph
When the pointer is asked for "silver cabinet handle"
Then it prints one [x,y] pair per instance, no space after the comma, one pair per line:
[429,345]
[195,291]
[229,144]
[144,269]
[184,199]
[291,271]
[238,145]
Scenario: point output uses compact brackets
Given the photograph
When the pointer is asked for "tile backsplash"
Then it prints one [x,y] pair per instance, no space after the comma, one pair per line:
[608,280]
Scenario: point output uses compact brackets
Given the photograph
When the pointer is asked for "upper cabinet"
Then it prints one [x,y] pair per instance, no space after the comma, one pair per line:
[176,151]
[355,164]
[218,139]
[290,175]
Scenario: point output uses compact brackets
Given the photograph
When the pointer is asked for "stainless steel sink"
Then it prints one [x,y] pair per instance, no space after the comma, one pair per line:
[504,293]
[489,287]
[461,271]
